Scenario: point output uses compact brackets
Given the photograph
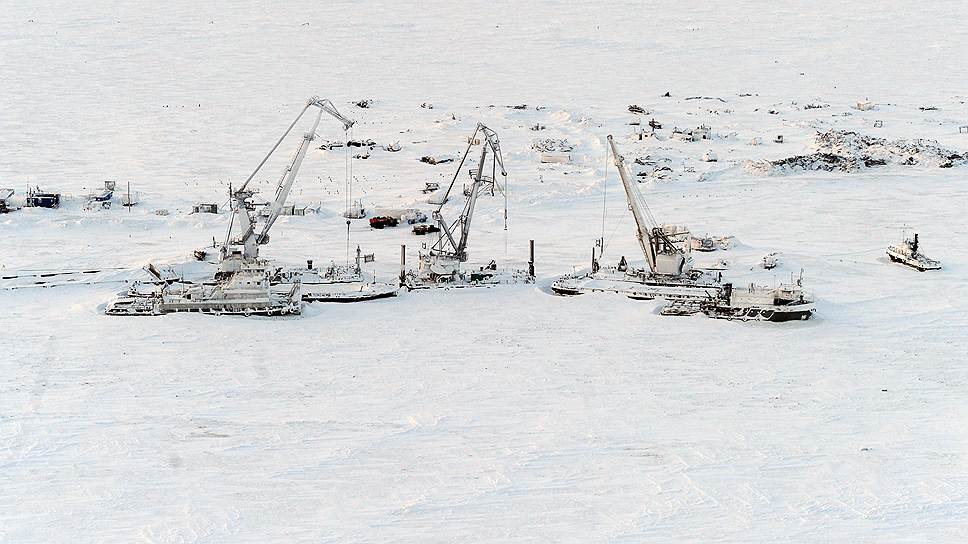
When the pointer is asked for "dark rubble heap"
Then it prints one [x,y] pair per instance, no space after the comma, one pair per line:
[847,151]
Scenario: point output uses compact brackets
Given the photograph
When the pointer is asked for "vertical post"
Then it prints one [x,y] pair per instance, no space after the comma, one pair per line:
[129,196]
[593,258]
[403,263]
[347,241]
[531,258]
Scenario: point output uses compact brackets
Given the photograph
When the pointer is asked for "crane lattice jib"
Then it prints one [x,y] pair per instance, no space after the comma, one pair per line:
[447,245]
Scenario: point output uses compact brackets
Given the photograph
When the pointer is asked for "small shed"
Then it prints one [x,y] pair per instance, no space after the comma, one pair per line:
[205,207]
[39,199]
[292,209]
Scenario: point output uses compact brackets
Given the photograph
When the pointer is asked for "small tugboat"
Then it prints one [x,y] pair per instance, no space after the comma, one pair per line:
[756,303]
[908,253]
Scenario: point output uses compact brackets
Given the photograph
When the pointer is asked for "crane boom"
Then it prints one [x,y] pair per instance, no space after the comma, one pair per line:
[323,104]
[665,256]
[288,178]
[644,227]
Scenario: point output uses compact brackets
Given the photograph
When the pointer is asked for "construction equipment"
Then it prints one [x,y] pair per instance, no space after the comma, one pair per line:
[245,246]
[670,275]
[447,246]
[342,283]
[667,248]
[442,262]
[668,255]
[244,284]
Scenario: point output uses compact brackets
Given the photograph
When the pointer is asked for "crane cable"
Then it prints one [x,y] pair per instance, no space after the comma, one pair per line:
[617,225]
[604,196]
[348,188]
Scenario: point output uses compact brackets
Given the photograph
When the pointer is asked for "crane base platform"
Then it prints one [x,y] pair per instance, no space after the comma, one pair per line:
[461,279]
[638,285]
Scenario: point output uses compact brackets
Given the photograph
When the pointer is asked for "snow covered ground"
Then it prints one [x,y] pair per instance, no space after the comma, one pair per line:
[493,415]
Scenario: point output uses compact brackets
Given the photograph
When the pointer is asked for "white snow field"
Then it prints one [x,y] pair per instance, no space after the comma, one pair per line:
[485,415]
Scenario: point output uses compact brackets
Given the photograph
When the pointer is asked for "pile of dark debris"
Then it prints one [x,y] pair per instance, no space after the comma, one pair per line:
[848,151]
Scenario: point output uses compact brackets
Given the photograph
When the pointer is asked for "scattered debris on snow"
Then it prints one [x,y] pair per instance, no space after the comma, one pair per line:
[848,151]
[329,145]
[552,145]
[441,159]
[361,143]
[706,98]
[691,135]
